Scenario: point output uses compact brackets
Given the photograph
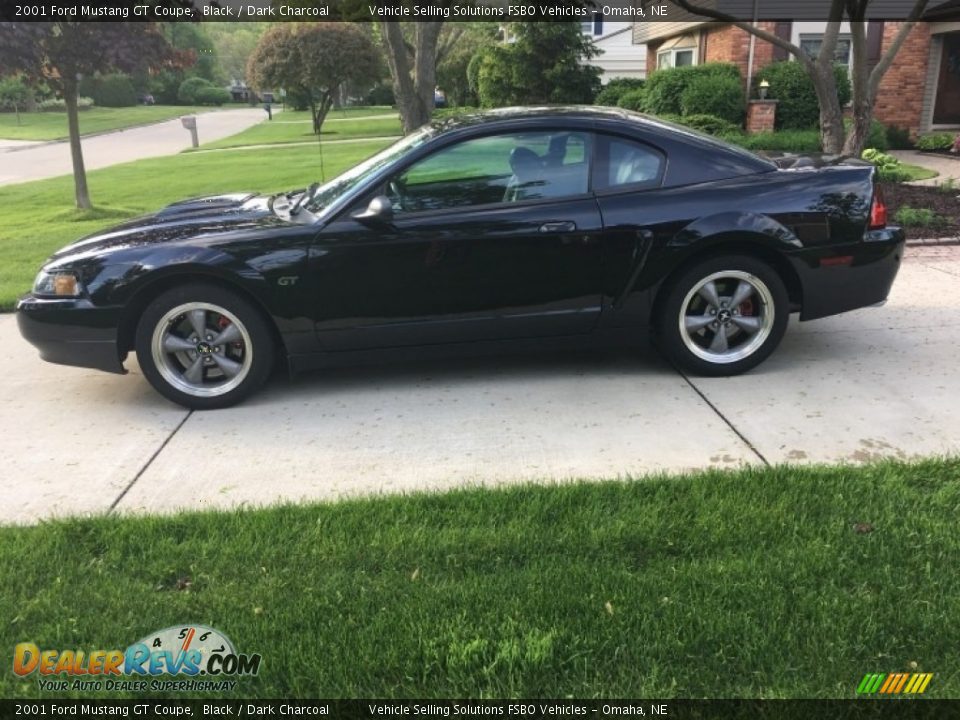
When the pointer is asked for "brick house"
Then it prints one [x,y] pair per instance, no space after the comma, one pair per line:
[920,92]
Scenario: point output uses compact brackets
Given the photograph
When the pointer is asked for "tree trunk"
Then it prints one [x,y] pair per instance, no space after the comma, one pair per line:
[832,132]
[413,87]
[16,109]
[321,110]
[76,152]
[313,116]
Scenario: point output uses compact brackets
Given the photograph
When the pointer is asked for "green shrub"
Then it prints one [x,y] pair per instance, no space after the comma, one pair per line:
[212,95]
[15,94]
[716,95]
[382,94]
[711,124]
[935,141]
[918,217]
[789,141]
[611,93]
[665,87]
[58,105]
[114,90]
[797,106]
[876,138]
[633,100]
[899,138]
[888,167]
[189,91]
[878,158]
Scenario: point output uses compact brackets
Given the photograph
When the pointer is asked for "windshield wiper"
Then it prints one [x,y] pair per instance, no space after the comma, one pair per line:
[305,198]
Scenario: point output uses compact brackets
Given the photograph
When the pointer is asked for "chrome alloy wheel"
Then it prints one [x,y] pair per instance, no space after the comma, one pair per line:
[727,316]
[201,349]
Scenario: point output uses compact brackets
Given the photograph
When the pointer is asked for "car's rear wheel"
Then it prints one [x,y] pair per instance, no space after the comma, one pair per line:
[723,316]
[204,347]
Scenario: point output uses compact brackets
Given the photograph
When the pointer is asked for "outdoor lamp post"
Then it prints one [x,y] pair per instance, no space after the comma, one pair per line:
[764,87]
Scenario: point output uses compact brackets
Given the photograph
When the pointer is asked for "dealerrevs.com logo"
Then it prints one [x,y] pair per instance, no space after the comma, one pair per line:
[183,657]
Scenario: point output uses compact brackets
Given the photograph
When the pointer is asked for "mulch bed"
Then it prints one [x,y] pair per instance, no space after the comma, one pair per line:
[946,204]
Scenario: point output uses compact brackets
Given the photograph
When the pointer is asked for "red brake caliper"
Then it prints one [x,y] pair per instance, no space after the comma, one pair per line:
[222,324]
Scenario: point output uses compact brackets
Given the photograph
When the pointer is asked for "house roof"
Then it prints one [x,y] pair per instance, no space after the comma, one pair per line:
[949,10]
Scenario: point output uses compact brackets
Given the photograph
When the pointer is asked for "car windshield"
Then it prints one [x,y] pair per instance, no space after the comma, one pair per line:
[330,191]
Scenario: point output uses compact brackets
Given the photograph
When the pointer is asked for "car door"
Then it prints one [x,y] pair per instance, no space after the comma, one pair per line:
[491,237]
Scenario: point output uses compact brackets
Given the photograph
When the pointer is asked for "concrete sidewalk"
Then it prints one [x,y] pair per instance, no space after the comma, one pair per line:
[879,382]
[46,160]
[948,167]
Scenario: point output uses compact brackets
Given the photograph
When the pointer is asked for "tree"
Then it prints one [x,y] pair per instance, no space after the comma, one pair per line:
[234,43]
[314,60]
[59,53]
[453,63]
[194,44]
[545,64]
[15,93]
[864,80]
[413,68]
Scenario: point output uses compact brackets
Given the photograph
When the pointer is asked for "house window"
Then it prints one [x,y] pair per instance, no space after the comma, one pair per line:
[811,44]
[592,27]
[676,57]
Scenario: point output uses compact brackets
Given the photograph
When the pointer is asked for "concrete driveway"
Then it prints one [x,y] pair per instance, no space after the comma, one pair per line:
[23,161]
[870,384]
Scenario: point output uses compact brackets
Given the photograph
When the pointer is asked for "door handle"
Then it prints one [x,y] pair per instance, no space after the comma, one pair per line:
[555,227]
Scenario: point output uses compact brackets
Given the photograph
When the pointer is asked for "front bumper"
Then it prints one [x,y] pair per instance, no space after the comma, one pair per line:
[865,280]
[71,331]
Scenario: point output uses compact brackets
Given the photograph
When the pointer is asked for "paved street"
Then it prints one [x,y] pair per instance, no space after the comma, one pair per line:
[20,162]
[880,382]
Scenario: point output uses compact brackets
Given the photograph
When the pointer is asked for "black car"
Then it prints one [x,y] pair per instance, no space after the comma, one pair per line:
[545,227]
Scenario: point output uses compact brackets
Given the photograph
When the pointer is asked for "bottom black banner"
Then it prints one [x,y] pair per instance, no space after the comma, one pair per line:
[527,709]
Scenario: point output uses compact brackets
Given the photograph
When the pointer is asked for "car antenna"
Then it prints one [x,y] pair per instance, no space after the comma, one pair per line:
[323,177]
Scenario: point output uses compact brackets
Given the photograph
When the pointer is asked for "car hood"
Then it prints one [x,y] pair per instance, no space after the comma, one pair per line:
[197,219]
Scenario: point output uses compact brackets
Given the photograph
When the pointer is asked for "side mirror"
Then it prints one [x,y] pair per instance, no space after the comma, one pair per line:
[380,210]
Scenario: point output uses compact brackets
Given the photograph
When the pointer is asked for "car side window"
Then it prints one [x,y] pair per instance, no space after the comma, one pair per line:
[504,168]
[629,163]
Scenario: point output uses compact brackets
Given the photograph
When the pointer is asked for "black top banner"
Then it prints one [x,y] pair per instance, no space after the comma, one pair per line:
[445,10]
[533,709]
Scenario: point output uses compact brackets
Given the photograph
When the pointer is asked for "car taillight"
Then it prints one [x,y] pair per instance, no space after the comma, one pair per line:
[878,211]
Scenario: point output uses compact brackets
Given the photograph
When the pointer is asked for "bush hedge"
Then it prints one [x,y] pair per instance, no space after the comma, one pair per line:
[665,87]
[935,141]
[213,95]
[113,90]
[716,95]
[789,141]
[633,100]
[58,105]
[711,124]
[199,91]
[611,93]
[797,106]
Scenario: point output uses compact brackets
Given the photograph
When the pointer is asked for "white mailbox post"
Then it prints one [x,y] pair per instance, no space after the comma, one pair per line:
[190,123]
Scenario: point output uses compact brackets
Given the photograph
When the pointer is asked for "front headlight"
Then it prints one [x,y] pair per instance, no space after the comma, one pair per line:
[59,284]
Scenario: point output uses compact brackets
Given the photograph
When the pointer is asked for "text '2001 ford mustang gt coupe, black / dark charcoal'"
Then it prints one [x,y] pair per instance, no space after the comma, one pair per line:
[528,225]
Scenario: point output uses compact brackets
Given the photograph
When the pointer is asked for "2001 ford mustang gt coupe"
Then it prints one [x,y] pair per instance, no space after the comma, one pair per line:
[549,225]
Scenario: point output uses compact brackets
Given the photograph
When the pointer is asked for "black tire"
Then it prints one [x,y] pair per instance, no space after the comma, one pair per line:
[253,352]
[693,351]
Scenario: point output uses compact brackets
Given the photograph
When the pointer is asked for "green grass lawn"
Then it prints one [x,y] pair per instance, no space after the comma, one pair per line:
[783,582]
[296,127]
[915,172]
[27,238]
[53,126]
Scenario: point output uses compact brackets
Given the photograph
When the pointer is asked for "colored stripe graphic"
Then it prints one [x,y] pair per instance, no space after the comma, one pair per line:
[894,683]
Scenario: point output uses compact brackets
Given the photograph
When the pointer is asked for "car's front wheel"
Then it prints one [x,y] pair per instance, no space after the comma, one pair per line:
[204,347]
[723,316]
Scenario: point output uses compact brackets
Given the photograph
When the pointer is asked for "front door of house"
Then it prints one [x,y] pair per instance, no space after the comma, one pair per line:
[946,109]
